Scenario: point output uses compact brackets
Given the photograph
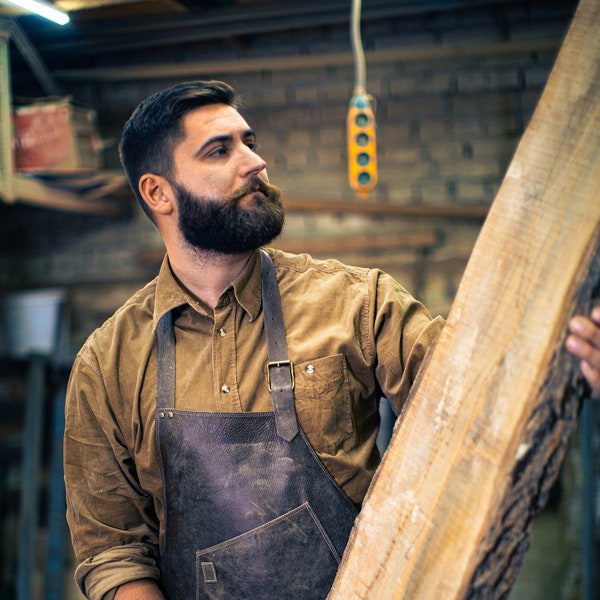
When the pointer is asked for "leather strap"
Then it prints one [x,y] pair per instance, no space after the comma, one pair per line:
[280,371]
[165,362]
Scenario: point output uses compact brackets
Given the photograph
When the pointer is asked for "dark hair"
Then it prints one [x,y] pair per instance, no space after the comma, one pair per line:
[150,134]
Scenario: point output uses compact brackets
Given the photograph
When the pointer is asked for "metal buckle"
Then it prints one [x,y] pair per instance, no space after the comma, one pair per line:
[277,364]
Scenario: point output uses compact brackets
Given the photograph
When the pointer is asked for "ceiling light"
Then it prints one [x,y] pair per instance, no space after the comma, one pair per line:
[44,9]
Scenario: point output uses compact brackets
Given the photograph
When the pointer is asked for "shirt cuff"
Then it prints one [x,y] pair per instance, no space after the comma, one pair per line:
[99,576]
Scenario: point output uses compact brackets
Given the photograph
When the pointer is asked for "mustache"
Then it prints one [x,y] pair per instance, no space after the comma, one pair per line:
[255,184]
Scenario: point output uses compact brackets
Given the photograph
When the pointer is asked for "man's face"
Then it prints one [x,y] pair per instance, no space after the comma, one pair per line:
[225,202]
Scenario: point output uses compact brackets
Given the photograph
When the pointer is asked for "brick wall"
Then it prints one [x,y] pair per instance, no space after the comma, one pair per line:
[454,90]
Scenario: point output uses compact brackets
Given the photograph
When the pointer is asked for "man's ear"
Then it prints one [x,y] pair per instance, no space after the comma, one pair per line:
[157,193]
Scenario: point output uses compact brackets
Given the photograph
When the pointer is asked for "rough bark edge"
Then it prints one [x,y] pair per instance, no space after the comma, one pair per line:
[553,420]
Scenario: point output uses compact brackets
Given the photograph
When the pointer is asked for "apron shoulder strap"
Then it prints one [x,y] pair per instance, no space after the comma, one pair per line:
[165,362]
[280,371]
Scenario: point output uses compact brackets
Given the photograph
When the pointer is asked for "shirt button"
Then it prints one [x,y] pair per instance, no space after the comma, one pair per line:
[222,332]
[225,389]
[310,369]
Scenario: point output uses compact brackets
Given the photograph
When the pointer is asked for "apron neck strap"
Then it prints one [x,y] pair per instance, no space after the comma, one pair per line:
[280,371]
[165,362]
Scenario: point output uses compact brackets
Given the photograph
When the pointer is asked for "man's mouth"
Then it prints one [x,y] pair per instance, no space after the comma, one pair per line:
[256,186]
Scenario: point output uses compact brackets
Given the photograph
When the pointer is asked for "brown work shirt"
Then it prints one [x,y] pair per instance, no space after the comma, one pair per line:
[353,335]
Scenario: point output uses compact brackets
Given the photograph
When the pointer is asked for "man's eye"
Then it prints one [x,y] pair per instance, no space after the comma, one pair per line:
[252,145]
[220,151]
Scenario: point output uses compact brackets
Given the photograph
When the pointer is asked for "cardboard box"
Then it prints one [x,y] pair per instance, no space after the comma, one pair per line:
[54,136]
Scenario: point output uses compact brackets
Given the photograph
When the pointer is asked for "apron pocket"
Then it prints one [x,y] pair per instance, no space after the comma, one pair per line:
[289,557]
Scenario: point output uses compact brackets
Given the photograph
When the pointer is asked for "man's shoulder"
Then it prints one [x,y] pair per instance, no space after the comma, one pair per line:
[130,323]
[306,264]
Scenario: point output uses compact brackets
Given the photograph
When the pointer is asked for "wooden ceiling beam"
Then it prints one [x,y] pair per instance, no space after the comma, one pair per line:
[295,62]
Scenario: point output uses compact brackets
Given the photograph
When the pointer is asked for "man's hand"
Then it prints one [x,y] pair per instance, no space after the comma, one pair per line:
[142,589]
[584,343]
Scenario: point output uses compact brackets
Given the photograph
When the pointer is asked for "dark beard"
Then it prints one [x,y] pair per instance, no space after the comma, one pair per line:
[225,226]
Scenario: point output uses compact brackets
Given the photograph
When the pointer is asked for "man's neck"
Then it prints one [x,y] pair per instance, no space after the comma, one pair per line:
[207,274]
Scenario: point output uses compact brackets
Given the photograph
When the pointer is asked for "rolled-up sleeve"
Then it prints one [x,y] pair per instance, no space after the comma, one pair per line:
[99,576]
[113,525]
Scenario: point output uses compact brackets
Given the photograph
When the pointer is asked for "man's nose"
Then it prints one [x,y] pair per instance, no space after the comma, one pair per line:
[254,163]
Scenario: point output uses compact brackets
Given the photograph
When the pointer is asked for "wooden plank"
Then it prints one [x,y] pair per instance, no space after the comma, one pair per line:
[359,243]
[482,438]
[378,209]
[6,153]
[325,247]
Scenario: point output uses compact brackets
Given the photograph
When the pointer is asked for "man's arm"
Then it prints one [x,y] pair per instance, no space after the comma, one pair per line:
[114,528]
[584,343]
[142,589]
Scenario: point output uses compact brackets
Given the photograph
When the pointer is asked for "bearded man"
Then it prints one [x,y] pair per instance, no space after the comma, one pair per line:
[221,425]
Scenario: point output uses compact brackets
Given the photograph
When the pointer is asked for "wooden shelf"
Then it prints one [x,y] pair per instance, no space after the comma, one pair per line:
[377,209]
[100,199]
[103,200]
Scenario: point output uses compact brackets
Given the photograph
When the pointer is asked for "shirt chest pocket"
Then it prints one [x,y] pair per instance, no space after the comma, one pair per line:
[322,397]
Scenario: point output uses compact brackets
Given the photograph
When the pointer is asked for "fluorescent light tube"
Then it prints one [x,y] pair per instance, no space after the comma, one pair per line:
[44,9]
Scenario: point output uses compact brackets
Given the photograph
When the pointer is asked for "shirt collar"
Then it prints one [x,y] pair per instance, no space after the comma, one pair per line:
[246,288]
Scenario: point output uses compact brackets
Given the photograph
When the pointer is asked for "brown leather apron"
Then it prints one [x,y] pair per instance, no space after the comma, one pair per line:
[250,510]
